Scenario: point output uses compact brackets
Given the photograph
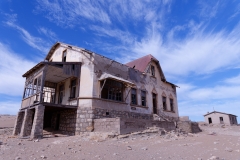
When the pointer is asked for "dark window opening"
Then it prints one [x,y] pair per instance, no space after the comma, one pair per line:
[171,105]
[64,56]
[209,120]
[73,88]
[107,113]
[154,103]
[133,96]
[143,98]
[221,119]
[164,103]
[112,90]
[152,70]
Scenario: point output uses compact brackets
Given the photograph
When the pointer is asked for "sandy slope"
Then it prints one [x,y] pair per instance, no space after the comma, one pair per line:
[224,144]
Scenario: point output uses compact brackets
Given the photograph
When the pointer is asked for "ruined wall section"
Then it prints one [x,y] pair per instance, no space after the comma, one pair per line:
[146,82]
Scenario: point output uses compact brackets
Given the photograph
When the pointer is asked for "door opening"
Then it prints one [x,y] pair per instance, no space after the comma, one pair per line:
[154,103]
[209,120]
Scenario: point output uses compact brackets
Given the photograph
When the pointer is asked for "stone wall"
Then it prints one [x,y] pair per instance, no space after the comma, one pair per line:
[84,120]
[105,113]
[134,125]
[67,121]
[128,125]
[18,123]
[188,126]
[27,122]
[107,125]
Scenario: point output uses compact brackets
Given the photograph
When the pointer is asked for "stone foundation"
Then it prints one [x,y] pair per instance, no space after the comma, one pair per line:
[18,123]
[188,126]
[105,113]
[66,122]
[84,120]
[124,126]
[27,123]
[37,127]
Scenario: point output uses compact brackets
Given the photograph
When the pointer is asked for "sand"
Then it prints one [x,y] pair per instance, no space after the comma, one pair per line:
[213,141]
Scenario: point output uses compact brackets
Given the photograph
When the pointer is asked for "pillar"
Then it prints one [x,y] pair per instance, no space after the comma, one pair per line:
[18,123]
[37,128]
[27,123]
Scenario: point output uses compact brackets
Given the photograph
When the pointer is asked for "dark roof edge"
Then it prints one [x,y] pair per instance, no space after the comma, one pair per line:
[219,112]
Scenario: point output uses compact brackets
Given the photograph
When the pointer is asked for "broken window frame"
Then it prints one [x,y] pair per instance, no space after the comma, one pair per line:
[164,102]
[112,90]
[28,89]
[171,104]
[143,98]
[73,89]
[133,96]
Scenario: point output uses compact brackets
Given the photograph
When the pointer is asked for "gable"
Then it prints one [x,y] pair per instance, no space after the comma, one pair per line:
[142,64]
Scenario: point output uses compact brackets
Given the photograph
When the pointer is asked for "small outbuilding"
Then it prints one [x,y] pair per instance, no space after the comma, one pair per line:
[216,117]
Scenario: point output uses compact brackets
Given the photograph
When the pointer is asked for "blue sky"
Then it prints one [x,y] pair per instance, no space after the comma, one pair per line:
[196,42]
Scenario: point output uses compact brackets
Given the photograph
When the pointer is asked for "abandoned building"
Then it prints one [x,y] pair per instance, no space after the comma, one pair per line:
[74,89]
[216,117]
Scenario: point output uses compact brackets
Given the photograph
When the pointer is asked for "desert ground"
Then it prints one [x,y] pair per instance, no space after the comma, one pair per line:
[214,142]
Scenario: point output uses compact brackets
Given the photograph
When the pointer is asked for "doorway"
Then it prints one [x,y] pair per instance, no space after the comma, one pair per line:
[209,120]
[154,96]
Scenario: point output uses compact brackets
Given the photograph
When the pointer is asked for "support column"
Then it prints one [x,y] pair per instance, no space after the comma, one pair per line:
[84,121]
[27,123]
[18,123]
[37,128]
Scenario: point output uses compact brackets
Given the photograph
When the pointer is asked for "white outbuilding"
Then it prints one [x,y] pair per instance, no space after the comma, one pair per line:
[216,117]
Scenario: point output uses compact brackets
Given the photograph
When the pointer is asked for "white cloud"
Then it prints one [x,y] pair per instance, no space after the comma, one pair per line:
[12,67]
[35,42]
[69,12]
[48,33]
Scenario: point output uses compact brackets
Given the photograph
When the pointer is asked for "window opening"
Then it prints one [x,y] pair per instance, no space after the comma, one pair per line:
[221,119]
[164,103]
[153,70]
[64,57]
[133,96]
[112,90]
[171,104]
[73,88]
[143,98]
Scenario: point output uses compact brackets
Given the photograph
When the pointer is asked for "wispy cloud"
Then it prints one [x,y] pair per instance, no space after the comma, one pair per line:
[12,68]
[35,42]
[70,12]
[48,33]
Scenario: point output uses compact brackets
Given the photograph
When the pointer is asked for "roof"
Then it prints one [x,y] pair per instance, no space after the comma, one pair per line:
[141,63]
[106,75]
[219,112]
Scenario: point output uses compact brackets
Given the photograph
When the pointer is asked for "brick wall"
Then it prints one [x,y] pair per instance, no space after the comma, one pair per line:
[188,126]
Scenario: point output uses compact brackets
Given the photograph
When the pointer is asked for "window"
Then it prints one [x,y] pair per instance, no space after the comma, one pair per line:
[143,98]
[133,96]
[64,56]
[28,90]
[221,119]
[73,88]
[152,70]
[164,103]
[112,90]
[171,105]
